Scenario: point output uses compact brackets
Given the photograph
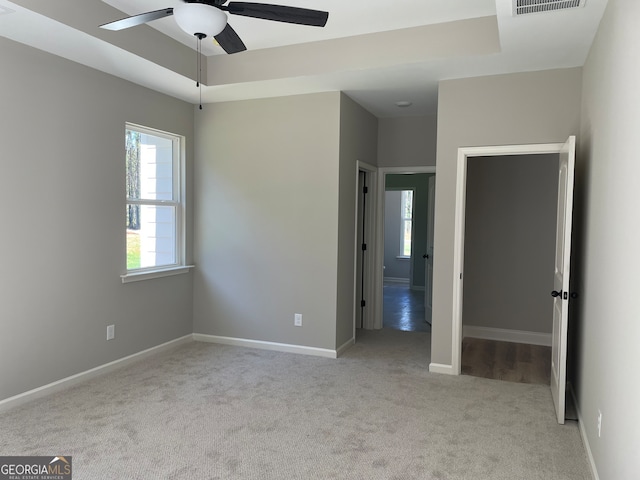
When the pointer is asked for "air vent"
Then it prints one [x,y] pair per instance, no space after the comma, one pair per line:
[524,7]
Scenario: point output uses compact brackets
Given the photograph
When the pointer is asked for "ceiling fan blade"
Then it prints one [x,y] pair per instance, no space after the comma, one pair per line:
[229,40]
[138,19]
[279,13]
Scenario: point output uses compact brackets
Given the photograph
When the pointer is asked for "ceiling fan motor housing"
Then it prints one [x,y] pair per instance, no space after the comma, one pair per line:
[200,19]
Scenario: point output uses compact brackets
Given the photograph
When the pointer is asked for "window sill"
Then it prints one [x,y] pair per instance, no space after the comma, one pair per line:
[403,257]
[149,274]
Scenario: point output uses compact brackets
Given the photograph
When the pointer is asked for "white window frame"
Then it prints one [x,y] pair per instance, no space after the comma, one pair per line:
[178,202]
[403,220]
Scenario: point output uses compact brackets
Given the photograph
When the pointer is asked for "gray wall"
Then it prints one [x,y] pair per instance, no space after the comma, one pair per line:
[522,108]
[62,163]
[509,245]
[606,255]
[407,141]
[358,141]
[394,267]
[266,225]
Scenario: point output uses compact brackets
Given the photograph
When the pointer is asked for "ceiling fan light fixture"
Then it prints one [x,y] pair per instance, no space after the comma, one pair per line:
[200,19]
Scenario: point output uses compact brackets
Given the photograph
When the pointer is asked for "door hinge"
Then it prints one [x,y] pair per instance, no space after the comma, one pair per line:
[365,190]
[364,247]
[363,303]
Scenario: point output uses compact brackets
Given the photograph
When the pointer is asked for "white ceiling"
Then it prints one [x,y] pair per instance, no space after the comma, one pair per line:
[350,54]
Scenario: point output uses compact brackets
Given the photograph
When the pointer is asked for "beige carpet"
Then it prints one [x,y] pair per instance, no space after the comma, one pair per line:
[205,411]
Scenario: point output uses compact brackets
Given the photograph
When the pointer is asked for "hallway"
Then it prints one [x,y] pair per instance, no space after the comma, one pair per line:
[403,308]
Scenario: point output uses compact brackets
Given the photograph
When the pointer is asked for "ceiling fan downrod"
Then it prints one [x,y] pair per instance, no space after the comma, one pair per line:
[199,36]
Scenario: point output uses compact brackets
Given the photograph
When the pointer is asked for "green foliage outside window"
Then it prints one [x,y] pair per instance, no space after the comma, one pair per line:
[132,146]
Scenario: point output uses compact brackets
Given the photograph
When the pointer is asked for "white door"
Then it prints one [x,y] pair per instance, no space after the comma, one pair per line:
[560,292]
[428,268]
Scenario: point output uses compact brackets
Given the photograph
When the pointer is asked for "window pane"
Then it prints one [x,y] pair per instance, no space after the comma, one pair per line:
[407,215]
[151,236]
[133,236]
[406,245]
[149,166]
[407,203]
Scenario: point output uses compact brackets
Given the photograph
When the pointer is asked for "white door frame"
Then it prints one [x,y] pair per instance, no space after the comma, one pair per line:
[369,292]
[458,241]
[428,267]
[379,243]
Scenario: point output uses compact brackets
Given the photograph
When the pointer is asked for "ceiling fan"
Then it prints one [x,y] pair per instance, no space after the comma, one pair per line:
[203,18]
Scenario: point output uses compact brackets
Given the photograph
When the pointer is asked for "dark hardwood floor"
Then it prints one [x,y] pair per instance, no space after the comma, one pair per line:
[512,362]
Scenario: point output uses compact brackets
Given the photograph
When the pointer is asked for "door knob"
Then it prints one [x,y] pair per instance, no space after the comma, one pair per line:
[556,293]
[425,256]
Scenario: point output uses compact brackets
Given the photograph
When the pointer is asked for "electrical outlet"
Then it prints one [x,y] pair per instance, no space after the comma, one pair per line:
[599,423]
[297,319]
[111,332]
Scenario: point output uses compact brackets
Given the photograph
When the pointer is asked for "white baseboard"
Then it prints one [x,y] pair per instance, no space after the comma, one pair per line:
[341,349]
[278,347]
[504,335]
[67,382]
[396,280]
[441,368]
[583,435]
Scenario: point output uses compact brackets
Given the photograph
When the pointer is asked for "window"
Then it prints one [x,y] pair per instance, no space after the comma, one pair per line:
[406,223]
[154,217]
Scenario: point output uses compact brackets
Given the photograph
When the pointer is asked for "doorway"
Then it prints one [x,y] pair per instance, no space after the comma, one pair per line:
[560,271]
[404,231]
[509,247]
[403,301]
[364,282]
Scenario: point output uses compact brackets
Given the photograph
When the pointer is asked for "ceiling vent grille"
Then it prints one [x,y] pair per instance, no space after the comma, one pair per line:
[524,7]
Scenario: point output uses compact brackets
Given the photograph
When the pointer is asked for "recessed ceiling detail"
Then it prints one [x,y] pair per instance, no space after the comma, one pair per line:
[374,52]
[523,7]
